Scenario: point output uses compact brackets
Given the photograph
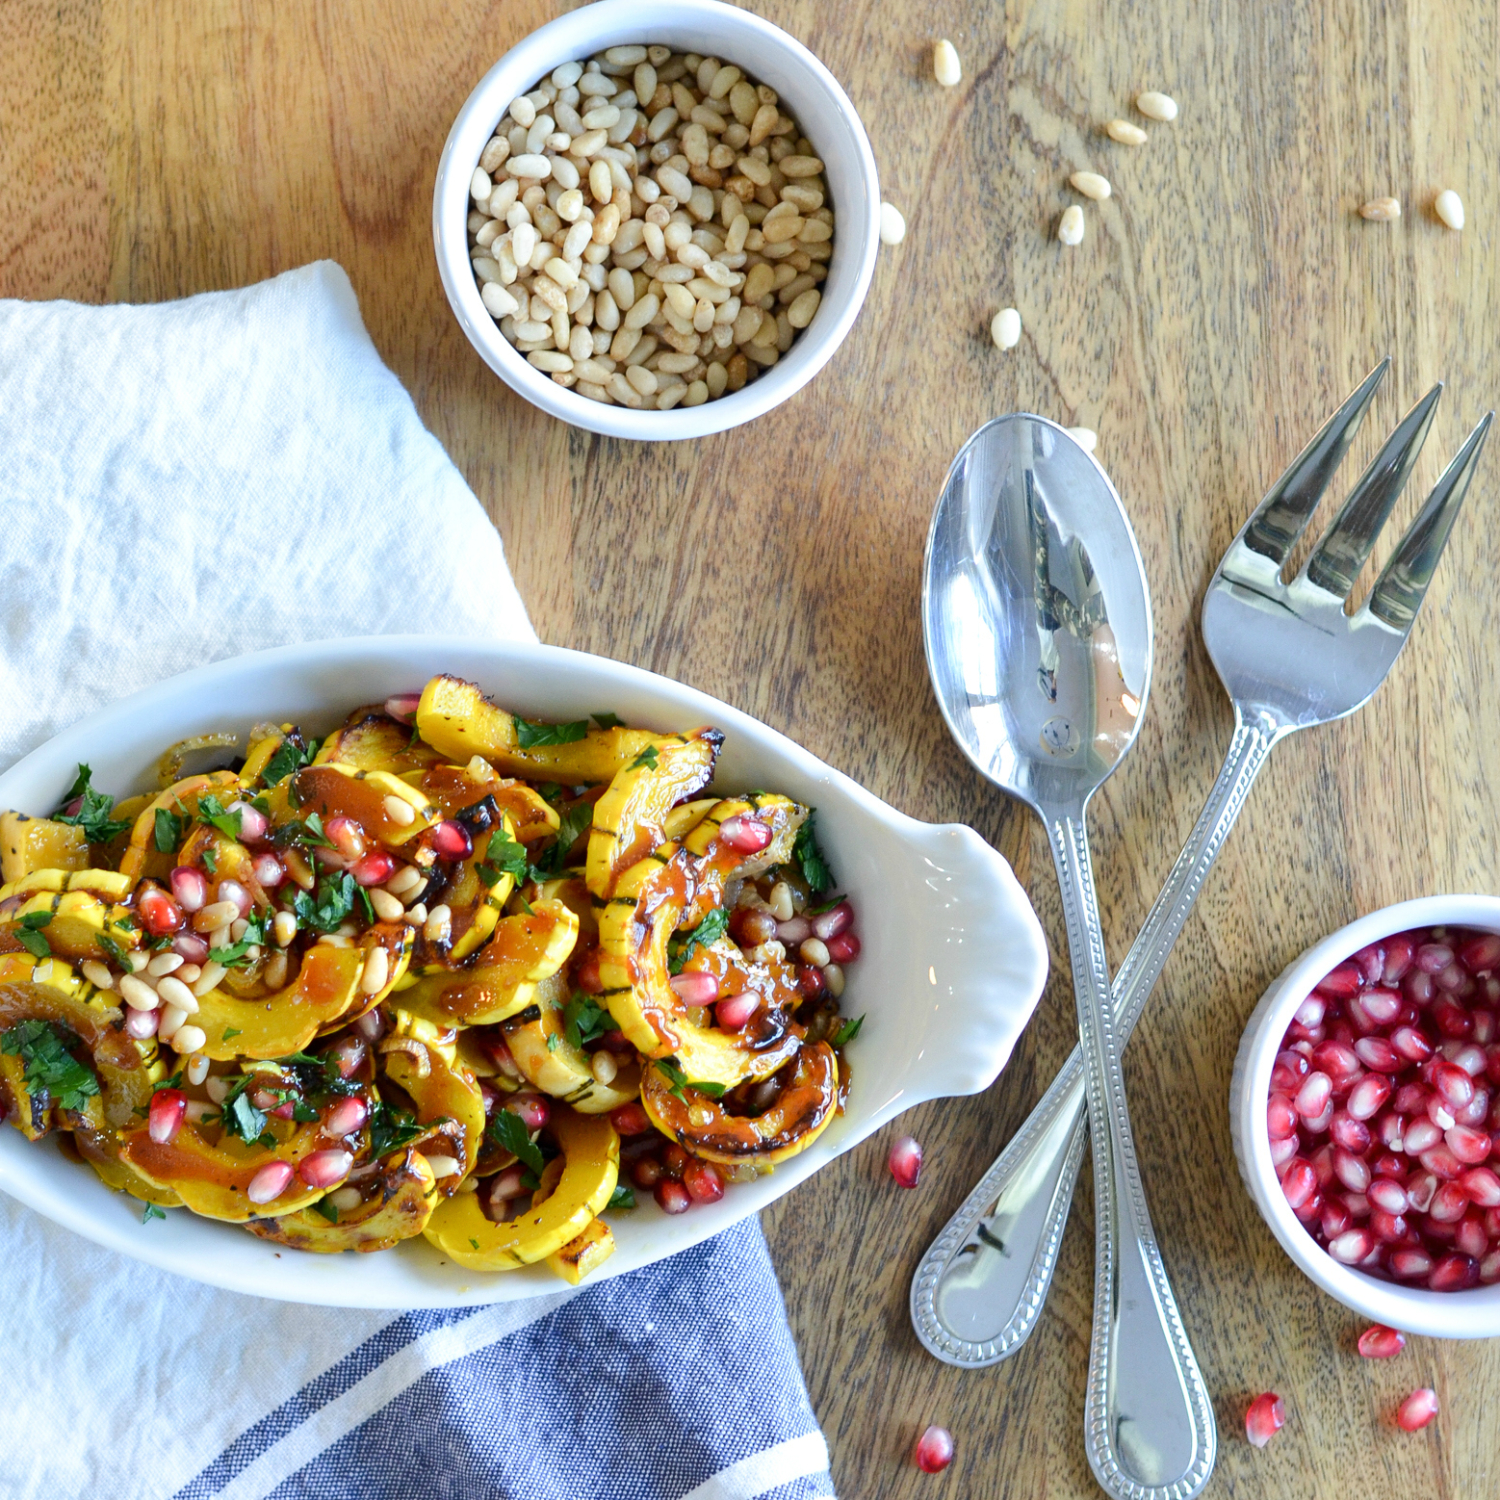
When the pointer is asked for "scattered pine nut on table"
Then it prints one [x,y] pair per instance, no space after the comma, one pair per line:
[1125,133]
[650,231]
[1005,328]
[892,224]
[1085,437]
[1070,226]
[945,65]
[1382,210]
[1157,106]
[1449,208]
[1091,185]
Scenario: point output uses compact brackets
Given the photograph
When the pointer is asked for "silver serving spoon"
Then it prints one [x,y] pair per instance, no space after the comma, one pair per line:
[1038,631]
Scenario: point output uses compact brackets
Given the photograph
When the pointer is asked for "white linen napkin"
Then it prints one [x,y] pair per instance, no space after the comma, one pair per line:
[192,481]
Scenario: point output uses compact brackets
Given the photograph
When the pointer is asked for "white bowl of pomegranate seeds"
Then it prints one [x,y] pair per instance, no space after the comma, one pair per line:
[953,958]
[737,378]
[1366,1114]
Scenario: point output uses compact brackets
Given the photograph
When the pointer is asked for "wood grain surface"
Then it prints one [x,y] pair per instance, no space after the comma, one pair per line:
[1222,302]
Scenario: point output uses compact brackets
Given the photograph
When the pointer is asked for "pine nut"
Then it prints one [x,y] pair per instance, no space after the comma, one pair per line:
[215,915]
[387,907]
[444,1166]
[188,1039]
[346,1198]
[97,975]
[833,976]
[1070,226]
[399,811]
[814,951]
[603,1067]
[172,1018]
[137,961]
[177,994]
[376,971]
[1091,185]
[137,994]
[945,64]
[1005,328]
[217,1089]
[209,979]
[1449,208]
[1157,106]
[407,878]
[188,973]
[416,915]
[284,927]
[780,901]
[1085,437]
[439,920]
[1382,210]
[197,1068]
[164,963]
[1125,133]
[892,224]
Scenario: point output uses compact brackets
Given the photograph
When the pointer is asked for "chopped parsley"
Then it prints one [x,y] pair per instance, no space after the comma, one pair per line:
[502,856]
[646,760]
[168,831]
[290,755]
[238,1113]
[213,812]
[574,820]
[175,1081]
[332,904]
[848,1031]
[529,734]
[608,720]
[327,1209]
[509,1132]
[809,859]
[680,1081]
[366,904]
[29,934]
[552,1042]
[234,955]
[622,1197]
[152,1212]
[112,949]
[230,1031]
[50,1069]
[309,832]
[585,1020]
[392,1129]
[682,945]
[211,860]
[93,815]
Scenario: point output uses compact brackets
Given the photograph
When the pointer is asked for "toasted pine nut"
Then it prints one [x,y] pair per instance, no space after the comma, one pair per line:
[188,1039]
[284,927]
[1449,207]
[376,971]
[438,924]
[137,994]
[1156,106]
[197,1068]
[208,979]
[1125,133]
[164,963]
[97,975]
[603,1067]
[1070,226]
[174,992]
[399,811]
[945,65]
[1005,328]
[892,224]
[387,907]
[1091,185]
[1382,210]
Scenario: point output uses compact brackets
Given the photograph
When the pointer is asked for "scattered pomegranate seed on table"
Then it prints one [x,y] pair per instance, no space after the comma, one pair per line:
[1417,1410]
[934,1450]
[1266,1417]
[905,1162]
[1380,1342]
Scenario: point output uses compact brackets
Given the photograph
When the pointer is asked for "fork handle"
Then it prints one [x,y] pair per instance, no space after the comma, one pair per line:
[979,1290]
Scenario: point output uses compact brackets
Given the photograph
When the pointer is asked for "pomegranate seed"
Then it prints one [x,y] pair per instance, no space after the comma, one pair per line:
[1398,956]
[630,1119]
[1388,1228]
[1388,1196]
[1471,1059]
[1482,1186]
[1389,1164]
[533,1109]
[1311,1012]
[1375,1052]
[1346,1131]
[744,834]
[375,868]
[1353,1171]
[750,928]
[1484,1023]
[348,837]
[1476,1111]
[143,1023]
[703,1181]
[1440,1115]
[1336,1060]
[507,1184]
[1282,1150]
[1380,1342]
[1343,983]
[1420,1189]
[1370,962]
[934,1450]
[254,825]
[1481,953]
[189,888]
[810,982]
[673,1160]
[1352,1246]
[697,988]
[1410,1265]
[270,1182]
[843,948]
[1281,1117]
[1441,1162]
[672,1197]
[232,890]
[1334,1219]
[1311,1209]
[1421,1135]
[905,1162]
[1366,1097]
[1433,958]
[451,840]
[1321,1161]
[1471,1238]
[403,706]
[1470,1146]
[647,1172]
[1418,987]
[796,931]
[1417,1410]
[1314,1095]
[322,1169]
[1452,1020]
[1411,1044]
[1288,1072]
[348,1056]
[1266,1417]
[830,923]
[1489,1268]
[1449,1204]
[1297,1182]
[1382,1006]
[165,1117]
[732,1013]
[347,1116]
[158,911]
[269,871]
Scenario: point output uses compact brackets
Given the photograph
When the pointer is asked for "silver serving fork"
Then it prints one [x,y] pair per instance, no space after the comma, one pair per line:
[1290,656]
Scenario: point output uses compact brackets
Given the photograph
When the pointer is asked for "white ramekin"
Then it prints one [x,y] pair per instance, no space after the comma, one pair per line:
[1474,1314]
[812,95]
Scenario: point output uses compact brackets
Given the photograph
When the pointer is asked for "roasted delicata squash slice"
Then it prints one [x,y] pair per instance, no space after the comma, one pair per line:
[541,1049]
[422,1059]
[325,988]
[589,1250]
[107,885]
[630,818]
[141,857]
[718,863]
[591,1167]
[396,1206]
[31,844]
[72,922]
[49,990]
[476,895]
[100,1148]
[334,790]
[456,718]
[700,1124]
[371,740]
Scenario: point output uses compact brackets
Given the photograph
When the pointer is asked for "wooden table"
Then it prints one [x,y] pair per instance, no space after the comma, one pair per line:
[1223,301]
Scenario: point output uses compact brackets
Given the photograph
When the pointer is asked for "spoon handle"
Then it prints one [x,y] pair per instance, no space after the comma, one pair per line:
[972,1306]
[1148,1427]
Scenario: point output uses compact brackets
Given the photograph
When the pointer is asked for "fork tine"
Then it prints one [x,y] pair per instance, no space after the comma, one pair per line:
[1281,517]
[1402,585]
[1338,557]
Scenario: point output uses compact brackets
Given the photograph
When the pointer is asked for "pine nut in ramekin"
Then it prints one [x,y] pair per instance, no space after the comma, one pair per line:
[1381,210]
[1005,328]
[1070,226]
[1125,133]
[1157,106]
